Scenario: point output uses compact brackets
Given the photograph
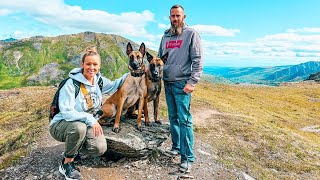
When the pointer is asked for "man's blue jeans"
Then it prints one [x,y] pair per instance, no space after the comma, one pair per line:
[178,103]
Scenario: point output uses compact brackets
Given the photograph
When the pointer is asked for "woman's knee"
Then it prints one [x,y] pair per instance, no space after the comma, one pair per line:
[98,148]
[78,129]
[101,149]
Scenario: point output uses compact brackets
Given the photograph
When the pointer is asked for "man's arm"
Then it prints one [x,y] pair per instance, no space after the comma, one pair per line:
[160,53]
[196,57]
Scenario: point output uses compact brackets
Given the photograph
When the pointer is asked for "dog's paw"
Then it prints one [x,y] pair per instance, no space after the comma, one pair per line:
[158,122]
[116,130]
[139,128]
[147,123]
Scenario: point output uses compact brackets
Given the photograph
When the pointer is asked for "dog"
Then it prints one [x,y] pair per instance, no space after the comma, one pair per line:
[154,74]
[133,91]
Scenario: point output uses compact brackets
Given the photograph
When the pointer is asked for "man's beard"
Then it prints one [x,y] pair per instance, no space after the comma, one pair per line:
[176,30]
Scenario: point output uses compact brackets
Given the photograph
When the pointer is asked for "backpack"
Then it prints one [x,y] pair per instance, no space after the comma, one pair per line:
[54,107]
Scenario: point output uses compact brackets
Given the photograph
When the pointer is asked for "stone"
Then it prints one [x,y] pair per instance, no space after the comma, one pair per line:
[48,73]
[132,143]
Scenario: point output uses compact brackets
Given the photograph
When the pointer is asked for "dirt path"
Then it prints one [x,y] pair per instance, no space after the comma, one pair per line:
[43,161]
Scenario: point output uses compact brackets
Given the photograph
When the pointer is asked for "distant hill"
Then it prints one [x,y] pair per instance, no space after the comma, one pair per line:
[46,60]
[266,75]
[315,77]
[8,40]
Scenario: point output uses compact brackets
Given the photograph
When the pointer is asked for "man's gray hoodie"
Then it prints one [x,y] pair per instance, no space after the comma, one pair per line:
[76,109]
[185,60]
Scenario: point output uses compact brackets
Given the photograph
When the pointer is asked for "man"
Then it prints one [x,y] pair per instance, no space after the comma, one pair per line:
[182,72]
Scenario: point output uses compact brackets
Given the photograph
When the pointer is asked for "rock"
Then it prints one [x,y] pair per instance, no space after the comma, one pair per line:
[204,152]
[17,56]
[37,46]
[130,142]
[48,73]
[89,36]
[76,59]
[247,176]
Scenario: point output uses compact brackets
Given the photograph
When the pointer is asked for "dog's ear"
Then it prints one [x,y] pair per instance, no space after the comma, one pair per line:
[149,57]
[142,49]
[165,57]
[129,48]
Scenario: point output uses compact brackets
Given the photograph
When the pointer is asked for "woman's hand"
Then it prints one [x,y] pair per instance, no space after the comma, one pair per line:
[97,129]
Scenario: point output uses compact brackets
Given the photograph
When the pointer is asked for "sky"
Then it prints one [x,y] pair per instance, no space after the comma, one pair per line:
[234,33]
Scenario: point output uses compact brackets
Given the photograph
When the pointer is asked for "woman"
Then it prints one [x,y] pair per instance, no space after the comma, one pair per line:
[76,124]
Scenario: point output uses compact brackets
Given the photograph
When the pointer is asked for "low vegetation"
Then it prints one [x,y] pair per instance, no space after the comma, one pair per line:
[257,129]
[23,119]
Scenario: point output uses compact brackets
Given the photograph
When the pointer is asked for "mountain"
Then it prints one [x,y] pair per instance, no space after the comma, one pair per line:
[8,40]
[266,75]
[47,60]
[296,72]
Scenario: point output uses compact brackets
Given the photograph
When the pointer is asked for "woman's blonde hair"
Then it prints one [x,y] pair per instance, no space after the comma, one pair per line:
[90,51]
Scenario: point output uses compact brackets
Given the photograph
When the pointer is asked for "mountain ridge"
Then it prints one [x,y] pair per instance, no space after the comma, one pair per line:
[266,75]
[43,60]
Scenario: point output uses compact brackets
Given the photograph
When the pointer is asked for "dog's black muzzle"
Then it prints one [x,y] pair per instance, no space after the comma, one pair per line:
[134,65]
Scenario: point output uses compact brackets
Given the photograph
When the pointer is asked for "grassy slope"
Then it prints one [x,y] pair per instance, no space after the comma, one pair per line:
[23,118]
[60,50]
[264,138]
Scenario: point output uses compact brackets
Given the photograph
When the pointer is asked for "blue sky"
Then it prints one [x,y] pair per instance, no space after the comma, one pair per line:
[237,33]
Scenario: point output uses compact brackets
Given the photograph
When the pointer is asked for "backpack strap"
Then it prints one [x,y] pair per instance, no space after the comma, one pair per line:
[76,87]
[100,83]
[86,96]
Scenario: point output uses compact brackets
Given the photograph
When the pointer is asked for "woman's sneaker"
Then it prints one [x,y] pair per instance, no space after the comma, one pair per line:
[69,171]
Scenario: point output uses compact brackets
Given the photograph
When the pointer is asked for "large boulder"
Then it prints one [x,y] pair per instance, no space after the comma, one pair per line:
[130,142]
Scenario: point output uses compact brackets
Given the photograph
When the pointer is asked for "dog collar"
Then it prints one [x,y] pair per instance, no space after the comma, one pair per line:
[153,80]
[137,74]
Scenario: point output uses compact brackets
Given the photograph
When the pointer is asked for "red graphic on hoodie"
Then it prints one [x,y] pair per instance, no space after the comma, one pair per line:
[173,44]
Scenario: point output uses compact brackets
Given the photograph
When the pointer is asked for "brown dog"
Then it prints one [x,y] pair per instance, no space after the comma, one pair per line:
[154,76]
[132,91]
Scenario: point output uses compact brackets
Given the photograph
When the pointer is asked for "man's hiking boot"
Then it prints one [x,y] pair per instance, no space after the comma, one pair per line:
[173,152]
[69,171]
[186,167]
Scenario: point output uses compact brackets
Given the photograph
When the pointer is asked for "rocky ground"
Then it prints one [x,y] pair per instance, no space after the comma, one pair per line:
[43,160]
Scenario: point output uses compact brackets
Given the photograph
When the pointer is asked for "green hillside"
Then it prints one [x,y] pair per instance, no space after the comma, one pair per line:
[47,60]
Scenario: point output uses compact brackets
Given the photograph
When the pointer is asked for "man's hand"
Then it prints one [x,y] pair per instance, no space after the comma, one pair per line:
[97,129]
[188,88]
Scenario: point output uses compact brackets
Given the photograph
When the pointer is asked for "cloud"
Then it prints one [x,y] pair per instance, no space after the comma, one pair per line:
[272,46]
[75,19]
[163,26]
[306,48]
[152,45]
[213,30]
[304,30]
[291,37]
[4,12]
[307,54]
